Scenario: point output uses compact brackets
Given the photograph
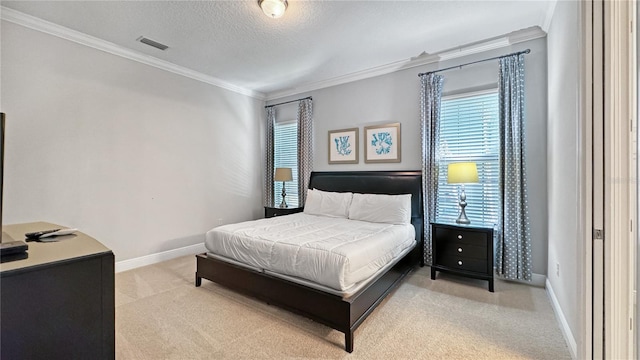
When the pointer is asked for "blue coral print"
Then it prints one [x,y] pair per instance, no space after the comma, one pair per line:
[382,143]
[343,145]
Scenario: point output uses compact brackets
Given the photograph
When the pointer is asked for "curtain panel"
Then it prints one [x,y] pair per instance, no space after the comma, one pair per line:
[305,147]
[267,197]
[430,99]
[513,250]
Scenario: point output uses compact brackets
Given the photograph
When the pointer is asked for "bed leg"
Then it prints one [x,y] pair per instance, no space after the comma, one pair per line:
[198,280]
[348,341]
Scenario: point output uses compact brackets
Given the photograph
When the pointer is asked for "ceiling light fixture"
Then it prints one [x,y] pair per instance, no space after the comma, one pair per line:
[273,8]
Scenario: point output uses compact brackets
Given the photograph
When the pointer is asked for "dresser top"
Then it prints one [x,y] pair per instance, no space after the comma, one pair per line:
[42,253]
[462,226]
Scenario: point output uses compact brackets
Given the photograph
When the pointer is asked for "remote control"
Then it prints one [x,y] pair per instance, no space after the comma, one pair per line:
[58,233]
[38,234]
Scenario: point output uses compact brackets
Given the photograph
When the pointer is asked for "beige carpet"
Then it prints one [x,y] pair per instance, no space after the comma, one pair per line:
[160,314]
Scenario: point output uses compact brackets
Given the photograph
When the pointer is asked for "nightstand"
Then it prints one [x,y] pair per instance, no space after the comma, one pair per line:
[270,211]
[463,250]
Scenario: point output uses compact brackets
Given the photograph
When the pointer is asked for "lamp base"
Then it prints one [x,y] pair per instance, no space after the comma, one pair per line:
[462,218]
[283,204]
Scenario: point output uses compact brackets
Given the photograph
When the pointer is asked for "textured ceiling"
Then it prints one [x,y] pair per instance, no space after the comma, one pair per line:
[314,41]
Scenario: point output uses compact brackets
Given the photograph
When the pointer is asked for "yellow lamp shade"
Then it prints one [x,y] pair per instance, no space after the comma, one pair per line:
[463,172]
[283,174]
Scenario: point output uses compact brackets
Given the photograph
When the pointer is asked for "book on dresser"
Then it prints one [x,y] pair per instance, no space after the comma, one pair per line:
[463,250]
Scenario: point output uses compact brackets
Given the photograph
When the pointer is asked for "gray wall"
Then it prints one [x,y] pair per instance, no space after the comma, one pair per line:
[396,98]
[563,159]
[140,158]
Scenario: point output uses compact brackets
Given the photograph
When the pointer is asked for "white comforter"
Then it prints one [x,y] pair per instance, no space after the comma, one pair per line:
[333,252]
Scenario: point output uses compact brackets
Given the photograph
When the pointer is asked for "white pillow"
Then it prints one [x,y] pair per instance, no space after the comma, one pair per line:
[325,203]
[389,209]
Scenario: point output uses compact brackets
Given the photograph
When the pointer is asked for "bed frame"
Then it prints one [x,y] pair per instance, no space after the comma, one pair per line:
[342,314]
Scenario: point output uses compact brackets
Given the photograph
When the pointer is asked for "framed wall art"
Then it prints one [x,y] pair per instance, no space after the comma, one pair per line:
[382,143]
[343,146]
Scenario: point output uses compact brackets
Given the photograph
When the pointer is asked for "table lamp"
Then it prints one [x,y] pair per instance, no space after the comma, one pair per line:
[462,173]
[283,174]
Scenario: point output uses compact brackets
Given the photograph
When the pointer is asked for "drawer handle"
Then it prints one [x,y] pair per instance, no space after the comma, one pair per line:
[460,250]
[460,262]
[459,237]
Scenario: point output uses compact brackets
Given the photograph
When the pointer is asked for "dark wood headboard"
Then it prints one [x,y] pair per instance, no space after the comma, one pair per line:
[377,182]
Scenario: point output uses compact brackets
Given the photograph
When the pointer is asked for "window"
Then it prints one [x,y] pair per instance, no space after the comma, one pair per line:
[285,149]
[469,131]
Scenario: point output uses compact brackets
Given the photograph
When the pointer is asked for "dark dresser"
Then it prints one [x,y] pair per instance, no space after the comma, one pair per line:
[57,303]
[463,250]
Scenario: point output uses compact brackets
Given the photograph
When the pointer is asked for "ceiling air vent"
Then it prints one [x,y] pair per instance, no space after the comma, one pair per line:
[150,42]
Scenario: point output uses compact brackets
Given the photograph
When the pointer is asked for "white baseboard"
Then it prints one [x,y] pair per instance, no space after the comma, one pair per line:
[564,326]
[150,259]
[537,280]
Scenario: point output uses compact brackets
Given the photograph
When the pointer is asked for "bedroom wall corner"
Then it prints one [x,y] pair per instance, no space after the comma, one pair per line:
[144,160]
[563,175]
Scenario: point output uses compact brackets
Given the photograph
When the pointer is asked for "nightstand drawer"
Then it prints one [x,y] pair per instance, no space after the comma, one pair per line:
[455,248]
[462,236]
[464,264]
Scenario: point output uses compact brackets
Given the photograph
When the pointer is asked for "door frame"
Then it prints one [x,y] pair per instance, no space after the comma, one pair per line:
[591,178]
[620,186]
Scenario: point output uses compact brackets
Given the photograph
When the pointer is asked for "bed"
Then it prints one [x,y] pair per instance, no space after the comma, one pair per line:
[343,309]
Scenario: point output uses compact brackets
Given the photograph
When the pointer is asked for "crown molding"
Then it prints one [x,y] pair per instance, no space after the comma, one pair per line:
[50,28]
[500,42]
[551,9]
[423,59]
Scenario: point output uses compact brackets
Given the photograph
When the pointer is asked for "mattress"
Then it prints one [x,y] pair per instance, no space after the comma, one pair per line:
[333,252]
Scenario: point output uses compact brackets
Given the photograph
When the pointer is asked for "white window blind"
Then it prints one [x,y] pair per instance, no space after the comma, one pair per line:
[286,155]
[469,133]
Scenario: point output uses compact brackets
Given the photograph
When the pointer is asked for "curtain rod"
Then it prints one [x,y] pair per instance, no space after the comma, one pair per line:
[287,102]
[475,62]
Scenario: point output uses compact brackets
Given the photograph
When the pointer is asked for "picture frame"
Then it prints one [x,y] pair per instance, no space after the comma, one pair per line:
[382,143]
[343,146]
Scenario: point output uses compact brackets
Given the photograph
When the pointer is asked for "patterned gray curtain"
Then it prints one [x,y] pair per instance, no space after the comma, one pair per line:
[305,147]
[269,166]
[513,250]
[430,97]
